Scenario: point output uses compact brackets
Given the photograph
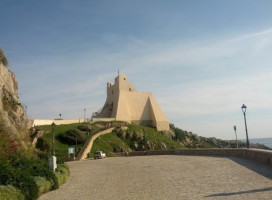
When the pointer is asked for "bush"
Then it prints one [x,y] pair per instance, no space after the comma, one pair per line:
[179,134]
[10,193]
[85,128]
[62,173]
[43,145]
[8,145]
[19,170]
[19,178]
[43,184]
[72,136]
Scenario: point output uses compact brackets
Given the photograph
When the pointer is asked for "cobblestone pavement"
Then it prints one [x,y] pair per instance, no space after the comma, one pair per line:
[166,177]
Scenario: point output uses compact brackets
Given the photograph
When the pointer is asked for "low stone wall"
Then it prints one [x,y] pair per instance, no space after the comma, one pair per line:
[253,154]
[41,122]
[102,119]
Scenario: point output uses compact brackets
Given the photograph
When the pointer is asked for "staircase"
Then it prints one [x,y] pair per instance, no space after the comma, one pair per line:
[89,143]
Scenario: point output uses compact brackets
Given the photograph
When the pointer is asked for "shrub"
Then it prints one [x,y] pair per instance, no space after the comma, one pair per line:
[10,192]
[62,173]
[72,136]
[43,145]
[19,170]
[179,134]
[85,128]
[43,184]
[8,145]
[19,178]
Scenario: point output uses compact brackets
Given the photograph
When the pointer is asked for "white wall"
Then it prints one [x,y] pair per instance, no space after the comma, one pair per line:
[40,122]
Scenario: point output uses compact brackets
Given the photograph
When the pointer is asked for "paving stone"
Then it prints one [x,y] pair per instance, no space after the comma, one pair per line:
[166,177]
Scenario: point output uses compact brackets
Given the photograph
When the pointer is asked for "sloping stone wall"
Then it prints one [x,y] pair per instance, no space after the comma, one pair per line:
[263,156]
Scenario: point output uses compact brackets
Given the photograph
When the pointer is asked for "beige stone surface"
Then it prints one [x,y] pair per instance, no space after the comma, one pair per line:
[166,177]
[126,104]
[41,122]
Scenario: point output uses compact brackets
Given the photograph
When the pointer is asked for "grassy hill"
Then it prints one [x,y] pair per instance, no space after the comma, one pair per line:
[44,143]
[134,138]
[124,138]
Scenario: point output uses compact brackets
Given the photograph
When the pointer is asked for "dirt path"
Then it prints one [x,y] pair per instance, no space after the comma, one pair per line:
[166,177]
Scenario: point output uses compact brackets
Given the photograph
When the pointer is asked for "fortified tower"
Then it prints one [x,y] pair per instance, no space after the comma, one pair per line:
[124,103]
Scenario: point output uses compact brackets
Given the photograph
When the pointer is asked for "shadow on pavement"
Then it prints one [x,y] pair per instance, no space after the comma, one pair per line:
[242,192]
[258,167]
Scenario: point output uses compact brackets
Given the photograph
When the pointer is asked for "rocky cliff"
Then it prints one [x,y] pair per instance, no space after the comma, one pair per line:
[12,113]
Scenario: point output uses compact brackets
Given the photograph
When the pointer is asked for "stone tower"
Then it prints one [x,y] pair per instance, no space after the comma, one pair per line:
[124,103]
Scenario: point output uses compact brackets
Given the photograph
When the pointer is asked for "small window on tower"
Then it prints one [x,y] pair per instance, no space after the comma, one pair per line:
[112,92]
[124,78]
[129,89]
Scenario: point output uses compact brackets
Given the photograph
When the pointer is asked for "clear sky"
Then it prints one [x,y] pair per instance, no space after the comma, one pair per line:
[201,59]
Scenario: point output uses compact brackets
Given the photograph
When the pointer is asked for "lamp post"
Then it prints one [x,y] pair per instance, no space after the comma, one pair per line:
[52,159]
[84,114]
[53,138]
[244,112]
[234,127]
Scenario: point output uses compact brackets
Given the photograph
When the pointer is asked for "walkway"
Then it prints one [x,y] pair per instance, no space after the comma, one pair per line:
[166,177]
[89,143]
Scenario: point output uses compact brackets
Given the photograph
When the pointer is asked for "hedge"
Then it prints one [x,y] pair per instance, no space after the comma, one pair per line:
[8,192]
[31,176]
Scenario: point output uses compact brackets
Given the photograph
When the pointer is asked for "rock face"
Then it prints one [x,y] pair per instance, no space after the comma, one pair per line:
[12,113]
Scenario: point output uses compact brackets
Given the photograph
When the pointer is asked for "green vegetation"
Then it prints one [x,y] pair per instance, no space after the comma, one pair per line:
[180,135]
[65,136]
[10,193]
[43,184]
[134,138]
[30,175]
[109,144]
[62,173]
[73,136]
[22,174]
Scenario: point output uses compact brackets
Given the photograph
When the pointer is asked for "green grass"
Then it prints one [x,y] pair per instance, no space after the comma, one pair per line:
[61,149]
[107,143]
[152,135]
[111,143]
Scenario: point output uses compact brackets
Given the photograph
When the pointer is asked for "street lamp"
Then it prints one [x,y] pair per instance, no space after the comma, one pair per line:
[53,138]
[244,112]
[52,159]
[84,114]
[234,127]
